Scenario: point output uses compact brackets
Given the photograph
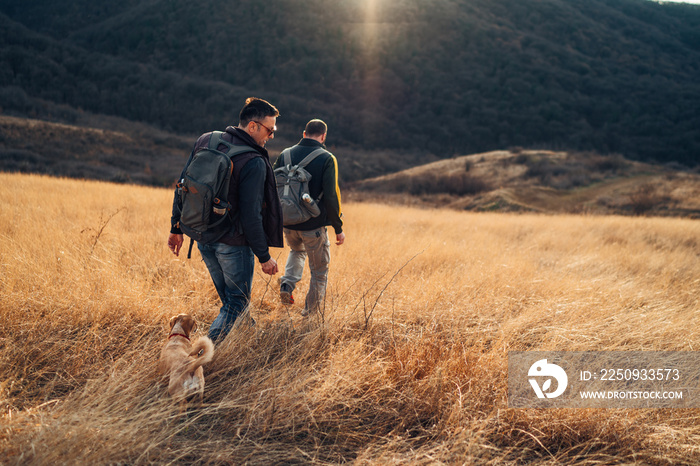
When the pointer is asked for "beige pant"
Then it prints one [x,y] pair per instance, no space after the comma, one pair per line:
[315,245]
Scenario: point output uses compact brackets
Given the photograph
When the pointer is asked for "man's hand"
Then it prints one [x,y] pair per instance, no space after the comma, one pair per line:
[175,243]
[270,267]
[339,238]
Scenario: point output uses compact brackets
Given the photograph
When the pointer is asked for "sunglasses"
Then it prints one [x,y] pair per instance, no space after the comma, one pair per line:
[270,131]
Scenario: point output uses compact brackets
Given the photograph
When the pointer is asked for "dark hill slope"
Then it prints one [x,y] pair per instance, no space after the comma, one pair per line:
[440,77]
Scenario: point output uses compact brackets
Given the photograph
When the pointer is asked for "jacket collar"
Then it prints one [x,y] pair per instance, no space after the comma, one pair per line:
[308,142]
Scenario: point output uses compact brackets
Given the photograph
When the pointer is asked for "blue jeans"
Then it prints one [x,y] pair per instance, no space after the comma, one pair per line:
[231,268]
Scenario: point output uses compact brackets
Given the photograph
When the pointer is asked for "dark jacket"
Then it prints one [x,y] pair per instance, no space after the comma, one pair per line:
[324,179]
[259,222]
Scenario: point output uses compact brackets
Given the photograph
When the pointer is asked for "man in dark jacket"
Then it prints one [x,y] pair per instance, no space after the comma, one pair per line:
[311,238]
[231,260]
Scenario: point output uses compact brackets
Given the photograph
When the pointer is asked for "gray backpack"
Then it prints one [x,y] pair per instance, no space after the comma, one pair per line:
[293,188]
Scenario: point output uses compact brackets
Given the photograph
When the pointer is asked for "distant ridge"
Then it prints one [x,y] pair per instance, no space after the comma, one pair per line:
[542,181]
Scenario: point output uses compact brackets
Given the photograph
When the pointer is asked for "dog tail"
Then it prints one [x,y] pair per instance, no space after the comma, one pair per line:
[202,352]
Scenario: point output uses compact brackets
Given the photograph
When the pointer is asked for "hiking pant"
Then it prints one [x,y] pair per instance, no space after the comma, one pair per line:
[231,269]
[315,245]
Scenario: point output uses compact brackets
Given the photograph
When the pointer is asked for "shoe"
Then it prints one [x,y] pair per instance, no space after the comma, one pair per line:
[286,294]
[305,312]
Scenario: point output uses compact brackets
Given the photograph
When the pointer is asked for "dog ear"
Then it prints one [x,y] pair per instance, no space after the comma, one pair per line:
[173,319]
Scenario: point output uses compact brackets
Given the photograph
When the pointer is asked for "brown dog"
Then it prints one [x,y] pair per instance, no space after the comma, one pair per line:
[182,360]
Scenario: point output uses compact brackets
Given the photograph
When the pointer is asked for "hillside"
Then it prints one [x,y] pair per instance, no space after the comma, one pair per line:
[401,79]
[542,181]
[519,180]
[115,149]
[131,153]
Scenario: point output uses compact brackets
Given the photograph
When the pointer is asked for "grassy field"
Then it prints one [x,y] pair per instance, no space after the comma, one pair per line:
[407,364]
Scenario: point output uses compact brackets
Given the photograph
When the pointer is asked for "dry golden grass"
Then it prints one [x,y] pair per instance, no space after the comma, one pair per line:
[407,364]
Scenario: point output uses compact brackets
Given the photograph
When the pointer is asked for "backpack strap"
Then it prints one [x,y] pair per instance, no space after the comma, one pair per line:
[309,158]
[216,139]
[189,251]
[237,150]
[233,150]
[286,157]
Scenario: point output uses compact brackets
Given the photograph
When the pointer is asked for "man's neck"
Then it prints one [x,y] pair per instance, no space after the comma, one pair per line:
[244,129]
[252,139]
[320,139]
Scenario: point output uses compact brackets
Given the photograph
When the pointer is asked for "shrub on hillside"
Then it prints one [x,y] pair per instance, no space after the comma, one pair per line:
[644,198]
[458,184]
[607,163]
[546,170]
[461,184]
[576,170]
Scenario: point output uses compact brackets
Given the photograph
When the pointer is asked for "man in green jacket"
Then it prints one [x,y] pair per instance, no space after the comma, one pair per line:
[310,238]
